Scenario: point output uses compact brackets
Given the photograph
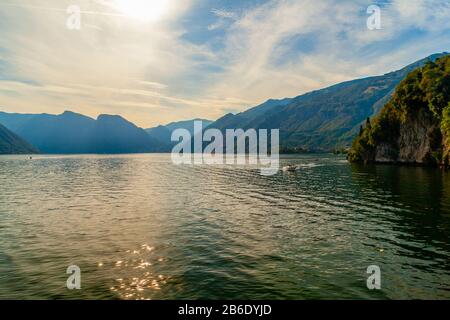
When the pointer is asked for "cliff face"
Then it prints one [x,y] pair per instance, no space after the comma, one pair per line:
[414,143]
[414,127]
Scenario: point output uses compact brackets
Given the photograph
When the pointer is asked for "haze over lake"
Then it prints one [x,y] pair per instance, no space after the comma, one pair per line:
[140,227]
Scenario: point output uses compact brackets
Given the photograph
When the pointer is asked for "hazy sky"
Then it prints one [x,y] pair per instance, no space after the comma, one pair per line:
[156,61]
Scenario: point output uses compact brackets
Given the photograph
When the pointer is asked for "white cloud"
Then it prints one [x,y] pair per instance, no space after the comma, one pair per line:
[41,50]
[224,17]
[223,13]
[343,46]
[150,74]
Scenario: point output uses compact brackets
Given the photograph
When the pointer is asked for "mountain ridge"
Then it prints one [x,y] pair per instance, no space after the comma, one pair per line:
[323,119]
[74,133]
[163,133]
[10,143]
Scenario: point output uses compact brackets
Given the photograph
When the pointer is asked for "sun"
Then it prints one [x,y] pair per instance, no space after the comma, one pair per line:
[143,10]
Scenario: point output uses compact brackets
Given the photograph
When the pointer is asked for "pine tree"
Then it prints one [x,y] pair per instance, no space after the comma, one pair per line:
[368,124]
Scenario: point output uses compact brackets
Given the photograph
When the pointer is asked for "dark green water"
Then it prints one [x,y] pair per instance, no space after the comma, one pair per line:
[140,227]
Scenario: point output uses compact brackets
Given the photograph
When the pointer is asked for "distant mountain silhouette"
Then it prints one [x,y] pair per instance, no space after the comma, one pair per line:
[164,133]
[11,143]
[321,120]
[114,134]
[188,125]
[72,133]
[324,119]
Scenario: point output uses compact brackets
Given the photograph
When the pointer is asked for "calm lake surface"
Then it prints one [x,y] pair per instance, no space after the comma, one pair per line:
[140,227]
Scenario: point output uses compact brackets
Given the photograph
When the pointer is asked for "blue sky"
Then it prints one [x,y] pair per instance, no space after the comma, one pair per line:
[175,60]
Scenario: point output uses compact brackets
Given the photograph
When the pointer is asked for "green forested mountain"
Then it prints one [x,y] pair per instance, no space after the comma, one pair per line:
[321,120]
[414,126]
[324,119]
[11,143]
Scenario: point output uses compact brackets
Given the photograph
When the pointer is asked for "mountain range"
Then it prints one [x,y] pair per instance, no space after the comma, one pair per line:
[72,133]
[164,133]
[325,119]
[10,143]
[322,120]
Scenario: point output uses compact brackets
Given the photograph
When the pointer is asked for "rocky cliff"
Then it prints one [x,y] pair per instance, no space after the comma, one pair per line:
[414,126]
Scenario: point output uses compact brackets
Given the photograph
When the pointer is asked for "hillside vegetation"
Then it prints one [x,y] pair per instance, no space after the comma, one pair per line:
[414,126]
[326,119]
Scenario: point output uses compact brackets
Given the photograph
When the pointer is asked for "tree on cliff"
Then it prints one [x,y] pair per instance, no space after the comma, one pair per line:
[423,97]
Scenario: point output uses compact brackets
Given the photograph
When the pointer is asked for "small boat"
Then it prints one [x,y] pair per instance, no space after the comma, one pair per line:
[290,168]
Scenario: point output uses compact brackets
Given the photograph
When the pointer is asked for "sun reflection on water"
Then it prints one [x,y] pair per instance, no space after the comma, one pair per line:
[138,280]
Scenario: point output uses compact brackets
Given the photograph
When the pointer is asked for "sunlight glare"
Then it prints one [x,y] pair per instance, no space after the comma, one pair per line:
[144,10]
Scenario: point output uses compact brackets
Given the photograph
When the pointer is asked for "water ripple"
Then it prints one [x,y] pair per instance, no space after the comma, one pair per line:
[142,228]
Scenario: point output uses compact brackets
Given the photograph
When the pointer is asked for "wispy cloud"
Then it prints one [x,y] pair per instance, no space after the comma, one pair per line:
[342,46]
[221,13]
[223,16]
[202,59]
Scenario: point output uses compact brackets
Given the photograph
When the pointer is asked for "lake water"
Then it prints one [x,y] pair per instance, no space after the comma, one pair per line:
[141,228]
